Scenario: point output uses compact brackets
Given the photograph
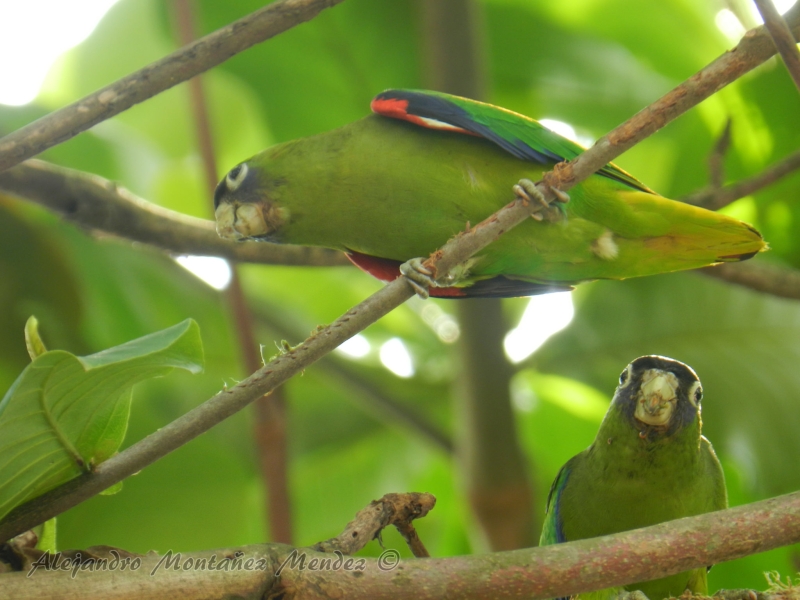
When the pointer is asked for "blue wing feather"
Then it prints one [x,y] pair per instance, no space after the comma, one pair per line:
[553,528]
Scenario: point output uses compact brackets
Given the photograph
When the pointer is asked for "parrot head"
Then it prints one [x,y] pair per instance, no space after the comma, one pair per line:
[243,208]
[659,395]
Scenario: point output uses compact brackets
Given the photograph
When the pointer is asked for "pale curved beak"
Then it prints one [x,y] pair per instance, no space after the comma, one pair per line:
[236,221]
[657,397]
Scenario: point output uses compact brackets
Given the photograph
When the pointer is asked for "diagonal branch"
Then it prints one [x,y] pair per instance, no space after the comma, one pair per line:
[153,79]
[754,48]
[716,198]
[782,36]
[96,203]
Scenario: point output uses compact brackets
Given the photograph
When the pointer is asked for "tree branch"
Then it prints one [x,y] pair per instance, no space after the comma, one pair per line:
[782,36]
[754,47]
[566,569]
[763,277]
[535,573]
[171,70]
[93,202]
[714,199]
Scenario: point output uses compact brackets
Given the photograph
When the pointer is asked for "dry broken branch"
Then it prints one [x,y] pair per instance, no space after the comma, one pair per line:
[392,509]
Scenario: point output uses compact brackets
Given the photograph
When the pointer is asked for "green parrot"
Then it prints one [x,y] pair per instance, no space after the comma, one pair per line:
[397,184]
[649,463]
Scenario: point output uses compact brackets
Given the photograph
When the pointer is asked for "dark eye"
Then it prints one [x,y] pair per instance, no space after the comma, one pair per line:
[698,394]
[623,377]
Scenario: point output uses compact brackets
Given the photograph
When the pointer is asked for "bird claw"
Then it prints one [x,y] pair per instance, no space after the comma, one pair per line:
[418,276]
[560,195]
[527,191]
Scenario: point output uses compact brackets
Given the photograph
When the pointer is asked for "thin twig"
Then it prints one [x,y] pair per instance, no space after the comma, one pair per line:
[716,161]
[392,509]
[782,36]
[96,203]
[227,402]
[270,423]
[153,79]
[714,199]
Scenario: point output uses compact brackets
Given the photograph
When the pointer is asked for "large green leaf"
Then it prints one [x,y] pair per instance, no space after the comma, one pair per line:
[66,413]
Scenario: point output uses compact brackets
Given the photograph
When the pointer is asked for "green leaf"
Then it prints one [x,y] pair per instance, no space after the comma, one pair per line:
[47,536]
[65,413]
[33,341]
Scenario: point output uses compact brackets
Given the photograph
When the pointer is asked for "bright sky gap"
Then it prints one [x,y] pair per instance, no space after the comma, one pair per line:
[395,356]
[33,34]
[214,271]
[544,316]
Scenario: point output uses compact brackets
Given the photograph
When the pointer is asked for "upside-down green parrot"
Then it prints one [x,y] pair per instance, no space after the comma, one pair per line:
[649,463]
[397,184]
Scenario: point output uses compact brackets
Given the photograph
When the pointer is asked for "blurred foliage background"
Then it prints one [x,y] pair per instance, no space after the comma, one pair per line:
[588,63]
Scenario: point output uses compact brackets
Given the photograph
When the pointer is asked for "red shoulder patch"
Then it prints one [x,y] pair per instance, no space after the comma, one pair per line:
[397,108]
[390,107]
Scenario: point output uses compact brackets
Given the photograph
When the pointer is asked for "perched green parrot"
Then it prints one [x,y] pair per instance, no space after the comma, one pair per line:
[648,464]
[397,184]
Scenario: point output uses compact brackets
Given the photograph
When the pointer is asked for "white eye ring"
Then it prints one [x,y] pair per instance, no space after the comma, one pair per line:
[236,176]
[625,376]
[695,393]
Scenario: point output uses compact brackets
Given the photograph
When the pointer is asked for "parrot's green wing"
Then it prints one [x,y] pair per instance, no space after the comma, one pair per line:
[521,136]
[553,527]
